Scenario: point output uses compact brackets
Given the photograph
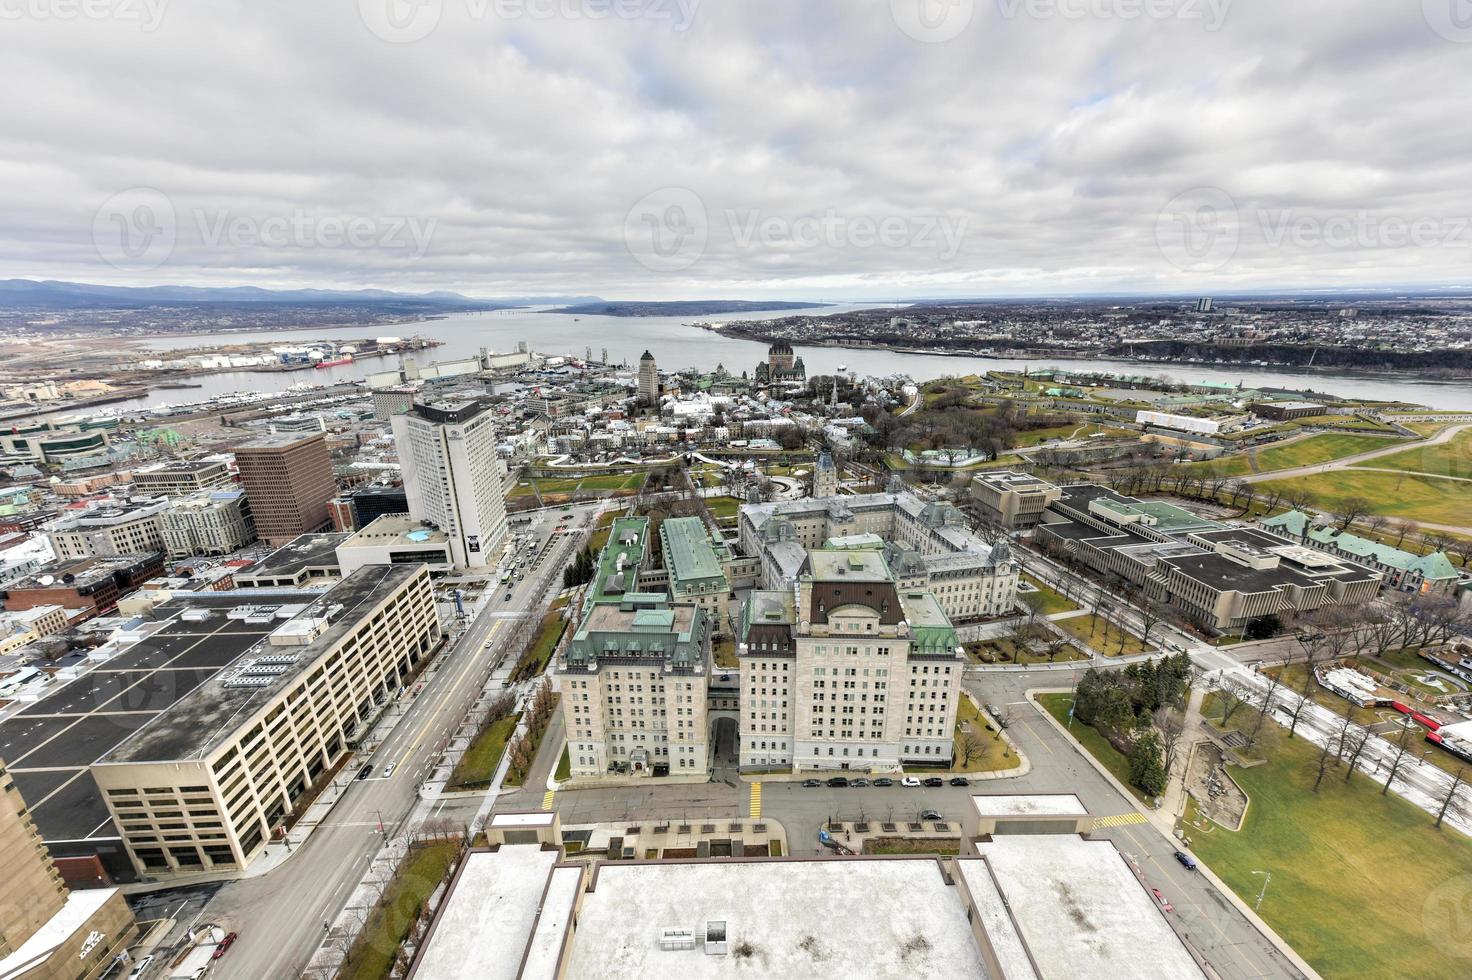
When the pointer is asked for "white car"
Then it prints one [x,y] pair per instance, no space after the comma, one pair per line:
[141,966]
[911,781]
[388,770]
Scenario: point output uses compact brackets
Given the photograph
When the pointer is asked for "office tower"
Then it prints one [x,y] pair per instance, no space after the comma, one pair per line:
[825,477]
[453,476]
[1203,305]
[648,379]
[288,480]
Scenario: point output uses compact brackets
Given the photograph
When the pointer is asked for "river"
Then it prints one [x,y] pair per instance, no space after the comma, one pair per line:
[678,346]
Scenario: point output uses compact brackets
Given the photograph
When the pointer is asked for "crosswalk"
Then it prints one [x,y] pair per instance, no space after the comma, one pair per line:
[1119,820]
[756,801]
[547,799]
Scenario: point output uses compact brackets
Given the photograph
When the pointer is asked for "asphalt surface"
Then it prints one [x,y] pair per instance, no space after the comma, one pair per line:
[280,915]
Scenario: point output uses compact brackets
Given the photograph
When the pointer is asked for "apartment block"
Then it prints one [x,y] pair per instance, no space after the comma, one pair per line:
[1013,500]
[92,585]
[210,779]
[845,670]
[454,479]
[633,680]
[106,531]
[214,522]
[288,480]
[179,478]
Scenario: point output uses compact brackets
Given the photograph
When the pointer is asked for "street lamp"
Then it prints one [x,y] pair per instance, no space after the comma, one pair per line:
[1265,882]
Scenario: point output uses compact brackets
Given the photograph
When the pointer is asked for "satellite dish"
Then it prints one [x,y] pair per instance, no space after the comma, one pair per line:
[47,579]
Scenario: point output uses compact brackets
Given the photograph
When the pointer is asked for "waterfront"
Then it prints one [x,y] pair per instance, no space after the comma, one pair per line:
[676,345]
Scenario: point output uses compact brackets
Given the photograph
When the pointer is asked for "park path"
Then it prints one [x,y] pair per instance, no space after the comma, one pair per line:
[1445,435]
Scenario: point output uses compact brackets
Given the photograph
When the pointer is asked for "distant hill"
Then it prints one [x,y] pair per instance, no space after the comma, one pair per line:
[52,293]
[679,307]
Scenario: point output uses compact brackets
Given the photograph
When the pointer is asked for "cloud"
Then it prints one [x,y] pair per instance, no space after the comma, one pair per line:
[812,149]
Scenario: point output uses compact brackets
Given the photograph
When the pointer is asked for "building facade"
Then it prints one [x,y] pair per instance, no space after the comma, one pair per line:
[181,477]
[782,366]
[648,379]
[209,781]
[454,478]
[845,670]
[696,571]
[288,480]
[1013,500]
[825,476]
[103,532]
[208,523]
[1403,571]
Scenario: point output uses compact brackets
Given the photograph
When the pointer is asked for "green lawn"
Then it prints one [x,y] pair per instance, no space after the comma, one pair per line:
[1300,452]
[1053,602]
[479,762]
[564,766]
[599,537]
[388,924]
[1451,458]
[1095,744]
[1007,650]
[723,508]
[1363,885]
[723,651]
[566,486]
[1102,635]
[1417,498]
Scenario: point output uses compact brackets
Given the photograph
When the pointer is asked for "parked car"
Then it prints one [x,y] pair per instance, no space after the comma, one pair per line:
[911,781]
[838,781]
[884,781]
[934,781]
[1161,899]
[225,944]
[141,966]
[810,783]
[1187,861]
[930,815]
[960,781]
[365,770]
[861,781]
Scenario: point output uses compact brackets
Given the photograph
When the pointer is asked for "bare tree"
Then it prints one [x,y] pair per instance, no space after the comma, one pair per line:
[1359,737]
[1451,794]
[1297,702]
[1376,523]
[1323,761]
[1400,752]
[1231,701]
[1403,529]
[1349,510]
[1262,712]
[972,746]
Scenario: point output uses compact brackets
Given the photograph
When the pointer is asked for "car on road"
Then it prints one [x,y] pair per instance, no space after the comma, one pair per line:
[861,781]
[884,781]
[934,781]
[225,944]
[960,781]
[141,967]
[911,781]
[365,770]
[811,783]
[1187,861]
[508,597]
[930,815]
[388,770]
[838,781]
[1161,899]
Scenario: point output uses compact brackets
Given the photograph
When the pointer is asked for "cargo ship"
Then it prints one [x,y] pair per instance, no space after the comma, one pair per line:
[336,361]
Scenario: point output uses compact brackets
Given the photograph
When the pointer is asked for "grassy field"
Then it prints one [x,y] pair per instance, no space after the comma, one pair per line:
[388,924]
[997,755]
[1301,452]
[1095,744]
[1007,650]
[570,486]
[1102,635]
[1363,885]
[1418,498]
[479,762]
[1451,458]
[599,538]
[564,766]
[724,653]
[723,509]
[1053,602]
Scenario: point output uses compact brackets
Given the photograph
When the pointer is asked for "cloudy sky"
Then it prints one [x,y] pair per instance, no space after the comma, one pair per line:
[663,149]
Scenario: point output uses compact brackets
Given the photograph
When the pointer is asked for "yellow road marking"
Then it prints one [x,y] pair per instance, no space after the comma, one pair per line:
[1119,820]
[547,799]
[756,801]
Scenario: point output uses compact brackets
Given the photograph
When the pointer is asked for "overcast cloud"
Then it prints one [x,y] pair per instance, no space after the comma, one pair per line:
[662,149]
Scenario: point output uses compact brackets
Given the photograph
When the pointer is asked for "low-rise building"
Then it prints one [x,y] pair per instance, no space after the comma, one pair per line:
[307,560]
[26,625]
[1013,500]
[1431,574]
[88,586]
[396,539]
[178,478]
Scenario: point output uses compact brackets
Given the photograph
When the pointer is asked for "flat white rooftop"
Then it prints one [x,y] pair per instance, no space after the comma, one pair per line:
[482,931]
[546,945]
[819,918]
[1076,907]
[523,819]
[1059,805]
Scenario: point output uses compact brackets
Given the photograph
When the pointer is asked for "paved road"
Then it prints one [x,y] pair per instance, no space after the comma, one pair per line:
[280,915]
